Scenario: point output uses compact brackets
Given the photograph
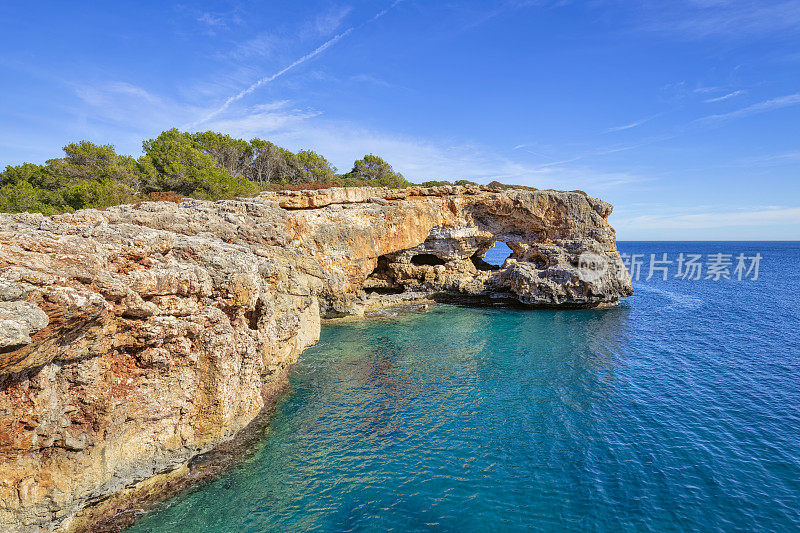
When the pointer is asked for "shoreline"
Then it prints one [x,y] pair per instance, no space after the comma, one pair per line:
[122,509]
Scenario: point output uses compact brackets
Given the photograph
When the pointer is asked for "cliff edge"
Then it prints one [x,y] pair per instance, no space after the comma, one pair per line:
[134,338]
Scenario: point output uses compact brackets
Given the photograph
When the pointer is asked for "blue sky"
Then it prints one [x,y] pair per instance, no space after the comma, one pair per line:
[683,114]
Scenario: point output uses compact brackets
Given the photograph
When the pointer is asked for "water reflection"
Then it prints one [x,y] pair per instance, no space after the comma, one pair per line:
[406,421]
[673,413]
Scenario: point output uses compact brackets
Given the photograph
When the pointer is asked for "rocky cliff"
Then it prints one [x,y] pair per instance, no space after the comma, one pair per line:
[134,338]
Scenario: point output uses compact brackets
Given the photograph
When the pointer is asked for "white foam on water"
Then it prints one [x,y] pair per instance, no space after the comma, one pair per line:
[677,298]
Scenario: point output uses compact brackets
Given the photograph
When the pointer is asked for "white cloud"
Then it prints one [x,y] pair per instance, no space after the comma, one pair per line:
[272,106]
[772,159]
[725,97]
[108,93]
[628,126]
[134,108]
[383,12]
[734,19]
[211,20]
[371,80]
[343,142]
[263,81]
[262,44]
[321,25]
[267,43]
[761,107]
[722,219]
[792,156]
[264,120]
[327,22]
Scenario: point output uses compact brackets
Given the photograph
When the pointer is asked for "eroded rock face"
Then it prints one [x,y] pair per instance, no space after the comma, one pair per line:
[134,338]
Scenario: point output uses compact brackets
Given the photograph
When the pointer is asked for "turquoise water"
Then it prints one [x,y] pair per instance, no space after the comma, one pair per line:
[677,411]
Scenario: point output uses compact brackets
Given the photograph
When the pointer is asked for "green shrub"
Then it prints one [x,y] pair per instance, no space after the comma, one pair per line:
[376,172]
[25,196]
[206,165]
[313,167]
[175,161]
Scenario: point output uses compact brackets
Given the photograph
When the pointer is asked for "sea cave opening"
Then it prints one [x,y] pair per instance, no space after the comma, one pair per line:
[427,260]
[494,258]
[382,281]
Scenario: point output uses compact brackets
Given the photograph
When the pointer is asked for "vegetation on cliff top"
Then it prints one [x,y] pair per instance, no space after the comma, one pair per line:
[176,164]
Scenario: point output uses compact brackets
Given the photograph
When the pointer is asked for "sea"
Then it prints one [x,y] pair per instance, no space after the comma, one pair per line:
[678,410]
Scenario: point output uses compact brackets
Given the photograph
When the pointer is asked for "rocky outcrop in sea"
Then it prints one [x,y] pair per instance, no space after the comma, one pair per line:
[135,338]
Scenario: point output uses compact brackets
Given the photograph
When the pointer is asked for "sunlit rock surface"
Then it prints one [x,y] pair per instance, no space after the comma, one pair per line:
[134,338]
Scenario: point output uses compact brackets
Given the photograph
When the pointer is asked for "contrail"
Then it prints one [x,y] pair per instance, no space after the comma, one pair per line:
[268,79]
[382,13]
[262,81]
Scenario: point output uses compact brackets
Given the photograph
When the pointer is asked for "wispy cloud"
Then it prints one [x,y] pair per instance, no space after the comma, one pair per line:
[343,142]
[732,19]
[591,153]
[268,42]
[629,126]
[327,22]
[383,12]
[772,159]
[371,80]
[761,107]
[211,20]
[786,156]
[559,163]
[131,106]
[417,158]
[263,81]
[262,44]
[266,120]
[103,94]
[721,219]
[725,97]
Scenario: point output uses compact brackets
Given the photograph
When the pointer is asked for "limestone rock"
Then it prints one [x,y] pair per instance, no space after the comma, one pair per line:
[18,321]
[134,338]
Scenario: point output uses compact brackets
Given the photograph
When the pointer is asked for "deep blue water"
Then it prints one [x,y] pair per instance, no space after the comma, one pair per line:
[677,411]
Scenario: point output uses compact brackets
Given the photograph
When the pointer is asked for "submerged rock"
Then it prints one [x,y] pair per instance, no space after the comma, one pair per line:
[135,338]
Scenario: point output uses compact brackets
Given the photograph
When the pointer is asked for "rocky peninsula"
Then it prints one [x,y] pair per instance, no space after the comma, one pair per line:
[135,338]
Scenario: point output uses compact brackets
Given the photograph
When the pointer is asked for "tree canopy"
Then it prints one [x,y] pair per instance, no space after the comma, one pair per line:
[376,172]
[89,175]
[178,161]
[206,165]
[313,167]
